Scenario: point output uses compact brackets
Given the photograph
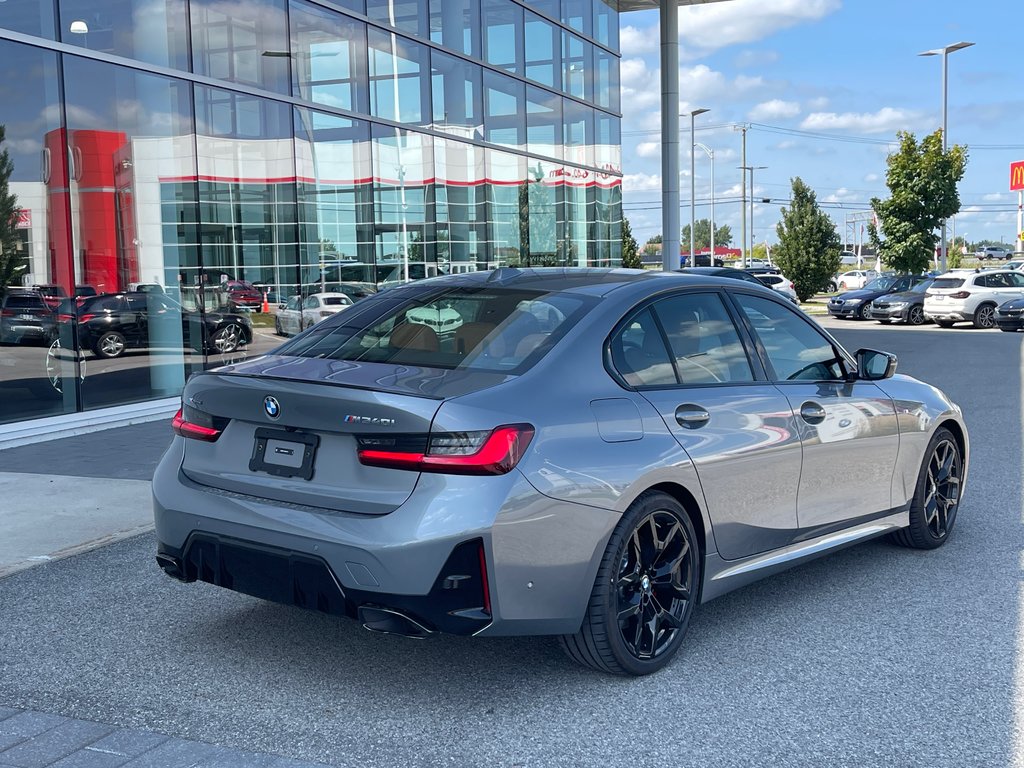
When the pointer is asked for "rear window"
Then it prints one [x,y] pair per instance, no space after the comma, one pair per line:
[333,301]
[472,328]
[948,282]
[25,301]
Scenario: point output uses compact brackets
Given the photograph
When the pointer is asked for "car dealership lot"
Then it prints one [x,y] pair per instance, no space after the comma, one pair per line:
[874,656]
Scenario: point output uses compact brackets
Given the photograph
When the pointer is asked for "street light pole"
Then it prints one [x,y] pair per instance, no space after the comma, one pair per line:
[693,188]
[944,52]
[711,154]
[752,169]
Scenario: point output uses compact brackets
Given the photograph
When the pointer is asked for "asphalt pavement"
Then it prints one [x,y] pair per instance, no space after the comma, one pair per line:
[874,656]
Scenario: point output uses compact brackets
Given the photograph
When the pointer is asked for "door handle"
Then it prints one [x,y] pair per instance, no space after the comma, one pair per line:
[812,413]
[692,416]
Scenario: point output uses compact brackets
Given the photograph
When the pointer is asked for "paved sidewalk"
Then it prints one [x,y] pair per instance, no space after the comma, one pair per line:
[61,498]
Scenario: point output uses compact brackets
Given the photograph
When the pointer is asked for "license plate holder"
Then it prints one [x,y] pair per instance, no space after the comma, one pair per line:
[284,454]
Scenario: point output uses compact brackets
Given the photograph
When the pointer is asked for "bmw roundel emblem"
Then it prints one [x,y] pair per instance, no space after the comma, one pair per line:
[271,407]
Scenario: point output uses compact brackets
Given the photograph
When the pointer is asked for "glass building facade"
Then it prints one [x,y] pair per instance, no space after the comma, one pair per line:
[164,152]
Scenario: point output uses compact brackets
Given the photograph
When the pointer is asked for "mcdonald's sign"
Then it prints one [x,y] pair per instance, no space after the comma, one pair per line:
[1016,176]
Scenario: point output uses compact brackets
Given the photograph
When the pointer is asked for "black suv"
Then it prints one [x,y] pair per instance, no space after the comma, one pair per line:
[25,316]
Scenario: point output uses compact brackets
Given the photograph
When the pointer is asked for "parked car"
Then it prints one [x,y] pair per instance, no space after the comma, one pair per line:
[731,272]
[111,323]
[855,278]
[52,294]
[354,291]
[971,296]
[902,306]
[25,316]
[82,291]
[781,283]
[856,304]
[461,485]
[319,306]
[849,259]
[288,319]
[1009,316]
[242,295]
[993,252]
[1014,264]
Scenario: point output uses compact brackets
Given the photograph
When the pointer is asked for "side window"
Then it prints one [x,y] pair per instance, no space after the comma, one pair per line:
[998,280]
[796,350]
[293,303]
[310,303]
[982,281]
[639,354]
[704,342]
[1017,280]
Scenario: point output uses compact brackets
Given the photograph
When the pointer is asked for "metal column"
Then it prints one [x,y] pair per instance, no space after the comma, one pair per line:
[669,134]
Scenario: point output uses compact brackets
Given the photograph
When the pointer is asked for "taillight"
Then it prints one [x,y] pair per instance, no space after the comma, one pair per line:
[7,313]
[192,430]
[960,295]
[455,453]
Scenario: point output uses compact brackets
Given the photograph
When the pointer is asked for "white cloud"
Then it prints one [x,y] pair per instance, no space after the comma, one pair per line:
[639,182]
[704,28]
[819,104]
[994,197]
[755,59]
[885,120]
[648,149]
[841,195]
[775,109]
[640,87]
[636,42]
[871,178]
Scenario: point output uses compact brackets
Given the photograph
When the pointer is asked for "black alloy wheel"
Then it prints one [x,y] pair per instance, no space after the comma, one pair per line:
[937,495]
[228,338]
[985,316]
[645,591]
[915,315]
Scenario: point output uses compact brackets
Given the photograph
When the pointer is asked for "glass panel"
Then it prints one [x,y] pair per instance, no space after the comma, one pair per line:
[543,122]
[606,80]
[552,8]
[546,228]
[406,15]
[503,35]
[399,89]
[574,248]
[460,206]
[31,17]
[504,100]
[578,14]
[329,53]
[134,211]
[509,208]
[606,23]
[705,344]
[455,24]
[335,195]
[154,31]
[607,142]
[242,42]
[795,349]
[38,370]
[639,353]
[402,170]
[607,222]
[578,122]
[542,46]
[457,94]
[576,66]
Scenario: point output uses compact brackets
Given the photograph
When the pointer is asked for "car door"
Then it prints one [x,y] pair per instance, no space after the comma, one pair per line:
[685,355]
[848,427]
[309,311]
[291,316]
[1002,286]
[1016,281]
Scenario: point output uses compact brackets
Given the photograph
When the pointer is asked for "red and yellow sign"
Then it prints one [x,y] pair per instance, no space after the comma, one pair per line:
[1016,176]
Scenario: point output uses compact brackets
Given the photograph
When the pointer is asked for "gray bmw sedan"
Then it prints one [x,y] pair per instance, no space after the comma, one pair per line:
[585,453]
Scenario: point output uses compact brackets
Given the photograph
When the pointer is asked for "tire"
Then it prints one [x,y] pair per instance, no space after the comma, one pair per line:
[831,287]
[633,583]
[985,316]
[110,345]
[936,496]
[277,326]
[944,323]
[861,313]
[1008,330]
[885,322]
[227,339]
[915,315]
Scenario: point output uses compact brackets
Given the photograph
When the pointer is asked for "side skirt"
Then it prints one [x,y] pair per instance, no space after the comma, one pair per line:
[722,576]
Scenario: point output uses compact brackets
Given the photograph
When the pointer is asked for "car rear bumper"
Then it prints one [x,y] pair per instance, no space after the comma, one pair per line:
[950,315]
[540,555]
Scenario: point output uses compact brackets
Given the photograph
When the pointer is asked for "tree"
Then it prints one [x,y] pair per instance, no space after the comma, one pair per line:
[702,235]
[630,250]
[922,183]
[653,244]
[808,249]
[11,261]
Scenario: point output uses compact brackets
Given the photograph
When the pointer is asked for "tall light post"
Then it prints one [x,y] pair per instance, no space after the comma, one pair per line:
[750,168]
[711,155]
[944,53]
[693,188]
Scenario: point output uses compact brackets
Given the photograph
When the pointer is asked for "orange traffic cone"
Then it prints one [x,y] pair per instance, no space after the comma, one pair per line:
[266,304]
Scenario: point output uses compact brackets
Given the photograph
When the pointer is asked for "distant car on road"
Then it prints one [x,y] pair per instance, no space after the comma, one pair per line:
[971,296]
[993,252]
[855,278]
[731,272]
[320,306]
[25,316]
[902,306]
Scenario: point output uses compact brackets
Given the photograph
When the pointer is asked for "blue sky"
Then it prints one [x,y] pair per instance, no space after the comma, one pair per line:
[846,71]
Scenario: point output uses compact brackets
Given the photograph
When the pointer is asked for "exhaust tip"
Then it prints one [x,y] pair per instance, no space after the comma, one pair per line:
[171,566]
[391,622]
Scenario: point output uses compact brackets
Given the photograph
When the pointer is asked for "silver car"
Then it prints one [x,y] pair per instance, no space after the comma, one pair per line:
[589,454]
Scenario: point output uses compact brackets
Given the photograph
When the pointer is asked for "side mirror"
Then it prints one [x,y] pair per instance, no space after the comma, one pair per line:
[873,365]
[281,306]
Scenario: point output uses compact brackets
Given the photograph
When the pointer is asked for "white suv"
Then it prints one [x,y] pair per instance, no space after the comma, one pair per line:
[993,252]
[971,296]
[854,279]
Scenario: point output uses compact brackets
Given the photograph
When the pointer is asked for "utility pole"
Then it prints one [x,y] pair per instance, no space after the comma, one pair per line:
[743,204]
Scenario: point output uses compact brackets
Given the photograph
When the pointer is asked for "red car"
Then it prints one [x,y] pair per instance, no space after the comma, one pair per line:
[242,295]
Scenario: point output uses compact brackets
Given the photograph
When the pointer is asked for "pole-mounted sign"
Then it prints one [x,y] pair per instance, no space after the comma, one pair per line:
[1016,176]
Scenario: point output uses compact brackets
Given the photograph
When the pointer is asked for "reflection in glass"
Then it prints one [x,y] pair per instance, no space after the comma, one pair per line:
[30,17]
[457,95]
[509,206]
[578,14]
[455,24]
[606,80]
[329,57]
[542,44]
[399,88]
[503,104]
[543,122]
[409,16]
[154,31]
[578,130]
[460,207]
[503,35]
[243,43]
[575,66]
[131,142]
[546,222]
[606,23]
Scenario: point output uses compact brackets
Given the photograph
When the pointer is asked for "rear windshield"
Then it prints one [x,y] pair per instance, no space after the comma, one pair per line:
[25,301]
[948,282]
[472,328]
[335,300]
